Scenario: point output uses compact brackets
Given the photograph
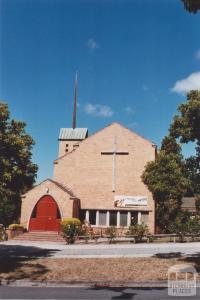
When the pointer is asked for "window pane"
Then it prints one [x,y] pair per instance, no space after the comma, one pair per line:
[92,217]
[102,218]
[82,215]
[123,218]
[144,218]
[113,218]
[134,217]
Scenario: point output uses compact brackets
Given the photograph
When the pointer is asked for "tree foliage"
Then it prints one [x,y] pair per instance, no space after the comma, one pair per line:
[191,5]
[17,172]
[165,178]
[170,177]
[186,127]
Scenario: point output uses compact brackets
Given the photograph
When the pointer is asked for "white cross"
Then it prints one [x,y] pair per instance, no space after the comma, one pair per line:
[114,153]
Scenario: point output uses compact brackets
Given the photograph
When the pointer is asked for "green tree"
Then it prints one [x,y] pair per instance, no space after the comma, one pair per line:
[191,5]
[165,178]
[192,165]
[186,127]
[17,172]
[181,225]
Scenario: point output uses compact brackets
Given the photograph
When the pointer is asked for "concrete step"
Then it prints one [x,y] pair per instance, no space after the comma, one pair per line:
[40,236]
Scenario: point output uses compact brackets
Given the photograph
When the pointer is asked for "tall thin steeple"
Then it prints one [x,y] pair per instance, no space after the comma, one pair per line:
[75,95]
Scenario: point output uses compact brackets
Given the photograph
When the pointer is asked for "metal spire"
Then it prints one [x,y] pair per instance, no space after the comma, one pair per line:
[75,95]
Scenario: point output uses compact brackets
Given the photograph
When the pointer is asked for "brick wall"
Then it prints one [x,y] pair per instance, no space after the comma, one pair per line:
[89,173]
[29,200]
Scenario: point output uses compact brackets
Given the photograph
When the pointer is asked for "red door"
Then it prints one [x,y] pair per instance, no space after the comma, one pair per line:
[46,215]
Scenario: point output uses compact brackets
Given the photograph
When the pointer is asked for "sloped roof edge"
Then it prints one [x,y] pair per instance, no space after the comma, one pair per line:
[59,185]
[150,142]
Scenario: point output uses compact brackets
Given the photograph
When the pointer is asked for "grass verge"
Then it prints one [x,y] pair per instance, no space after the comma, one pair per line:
[88,270]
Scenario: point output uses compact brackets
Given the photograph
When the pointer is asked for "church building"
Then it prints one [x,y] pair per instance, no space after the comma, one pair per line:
[96,178]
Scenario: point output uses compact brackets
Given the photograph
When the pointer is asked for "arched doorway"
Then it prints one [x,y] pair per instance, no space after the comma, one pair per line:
[45,215]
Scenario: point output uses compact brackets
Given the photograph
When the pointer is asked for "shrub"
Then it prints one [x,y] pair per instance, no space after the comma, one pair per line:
[180,225]
[111,232]
[139,230]
[3,234]
[87,229]
[16,226]
[193,225]
[197,204]
[71,228]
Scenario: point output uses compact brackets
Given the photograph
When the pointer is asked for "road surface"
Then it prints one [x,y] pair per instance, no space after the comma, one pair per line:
[101,250]
[88,293]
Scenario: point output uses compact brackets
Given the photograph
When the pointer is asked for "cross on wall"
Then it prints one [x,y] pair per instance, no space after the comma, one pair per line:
[114,153]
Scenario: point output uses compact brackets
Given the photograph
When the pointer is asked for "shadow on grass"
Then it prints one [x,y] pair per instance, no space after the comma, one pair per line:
[168,255]
[20,262]
[193,259]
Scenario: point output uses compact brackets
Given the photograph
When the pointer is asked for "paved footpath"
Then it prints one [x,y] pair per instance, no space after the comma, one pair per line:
[103,250]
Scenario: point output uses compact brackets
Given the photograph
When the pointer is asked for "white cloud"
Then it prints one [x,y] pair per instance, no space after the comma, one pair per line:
[198,54]
[92,44]
[98,110]
[192,82]
[129,109]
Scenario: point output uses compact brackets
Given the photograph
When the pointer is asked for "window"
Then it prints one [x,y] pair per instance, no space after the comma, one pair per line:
[134,217]
[92,217]
[144,218]
[102,218]
[123,218]
[113,218]
[82,215]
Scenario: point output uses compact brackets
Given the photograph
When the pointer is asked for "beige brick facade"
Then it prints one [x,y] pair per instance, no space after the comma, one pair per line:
[88,172]
[66,202]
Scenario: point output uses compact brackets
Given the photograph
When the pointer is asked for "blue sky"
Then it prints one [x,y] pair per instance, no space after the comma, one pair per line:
[135,60]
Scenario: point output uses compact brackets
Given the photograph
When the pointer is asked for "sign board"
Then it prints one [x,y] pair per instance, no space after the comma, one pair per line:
[128,201]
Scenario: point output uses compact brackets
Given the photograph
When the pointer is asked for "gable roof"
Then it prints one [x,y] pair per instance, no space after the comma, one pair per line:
[59,185]
[76,134]
[102,129]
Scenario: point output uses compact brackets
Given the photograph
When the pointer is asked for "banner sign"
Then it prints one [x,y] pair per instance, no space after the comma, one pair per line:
[128,201]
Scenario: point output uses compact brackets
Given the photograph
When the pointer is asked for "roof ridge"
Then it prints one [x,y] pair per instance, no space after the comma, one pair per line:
[61,186]
[110,124]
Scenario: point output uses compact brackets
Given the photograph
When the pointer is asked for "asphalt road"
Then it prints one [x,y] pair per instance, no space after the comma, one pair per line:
[87,293]
[100,250]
